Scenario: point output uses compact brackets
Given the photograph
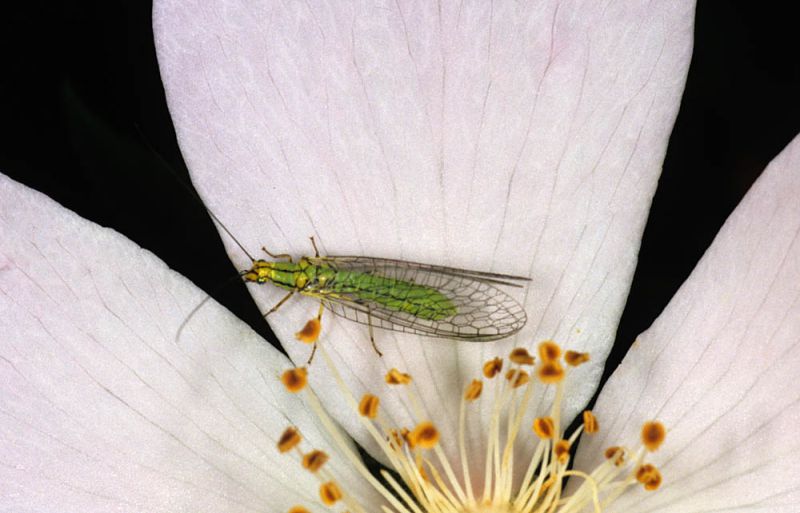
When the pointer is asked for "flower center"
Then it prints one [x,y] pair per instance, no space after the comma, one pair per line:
[429,482]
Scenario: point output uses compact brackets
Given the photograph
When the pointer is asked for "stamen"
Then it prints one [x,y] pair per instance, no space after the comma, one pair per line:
[517,377]
[615,454]
[653,435]
[549,351]
[590,425]
[298,509]
[330,493]
[289,439]
[551,372]
[295,379]
[649,476]
[474,390]
[398,437]
[310,332]
[423,474]
[521,356]
[574,358]
[314,460]
[492,368]
[425,435]
[544,428]
[561,450]
[395,377]
[368,407]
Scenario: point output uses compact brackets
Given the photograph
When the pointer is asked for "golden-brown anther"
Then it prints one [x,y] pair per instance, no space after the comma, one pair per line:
[473,390]
[492,368]
[368,407]
[561,450]
[289,439]
[616,455]
[425,435]
[314,460]
[405,433]
[544,428]
[649,476]
[397,438]
[590,425]
[550,372]
[423,474]
[295,379]
[310,332]
[642,472]
[653,435]
[574,358]
[549,351]
[395,377]
[298,509]
[521,356]
[329,493]
[517,377]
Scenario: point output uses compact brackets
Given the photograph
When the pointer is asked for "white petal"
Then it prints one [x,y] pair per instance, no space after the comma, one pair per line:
[719,367]
[102,409]
[522,138]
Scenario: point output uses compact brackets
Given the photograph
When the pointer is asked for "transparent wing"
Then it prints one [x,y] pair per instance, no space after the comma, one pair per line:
[483,311]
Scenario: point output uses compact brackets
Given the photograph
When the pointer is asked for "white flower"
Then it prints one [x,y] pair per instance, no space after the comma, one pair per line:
[481,137]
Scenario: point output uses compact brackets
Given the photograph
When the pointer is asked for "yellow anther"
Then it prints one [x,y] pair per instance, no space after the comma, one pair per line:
[550,372]
[314,460]
[649,476]
[517,377]
[423,474]
[653,435]
[310,332]
[590,425]
[549,351]
[368,407]
[298,509]
[474,390]
[295,379]
[425,435]
[521,356]
[395,377]
[405,434]
[397,438]
[492,368]
[329,493]
[561,450]
[615,454]
[574,358]
[289,439]
[544,428]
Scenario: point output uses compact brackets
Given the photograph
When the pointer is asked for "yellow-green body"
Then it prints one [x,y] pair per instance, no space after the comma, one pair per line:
[318,278]
[399,295]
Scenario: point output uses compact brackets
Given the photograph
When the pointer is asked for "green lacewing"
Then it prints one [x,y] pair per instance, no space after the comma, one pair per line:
[398,295]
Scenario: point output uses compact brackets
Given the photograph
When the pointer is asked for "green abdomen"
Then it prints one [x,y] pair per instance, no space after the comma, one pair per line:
[402,296]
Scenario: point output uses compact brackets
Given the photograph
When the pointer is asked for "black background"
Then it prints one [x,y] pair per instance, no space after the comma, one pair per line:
[80,92]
